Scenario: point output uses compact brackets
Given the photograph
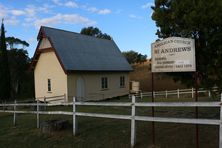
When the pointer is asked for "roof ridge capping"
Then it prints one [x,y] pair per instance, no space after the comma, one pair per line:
[42,27]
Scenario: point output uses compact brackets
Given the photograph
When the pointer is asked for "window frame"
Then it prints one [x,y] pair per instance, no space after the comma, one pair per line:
[104,83]
[49,85]
[122,82]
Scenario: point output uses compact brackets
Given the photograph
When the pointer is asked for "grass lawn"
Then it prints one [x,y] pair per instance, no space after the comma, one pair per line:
[111,133]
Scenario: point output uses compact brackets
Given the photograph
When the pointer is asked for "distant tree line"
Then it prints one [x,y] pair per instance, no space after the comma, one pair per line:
[134,57]
[96,32]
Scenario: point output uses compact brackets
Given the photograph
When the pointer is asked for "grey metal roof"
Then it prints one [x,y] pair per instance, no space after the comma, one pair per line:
[79,52]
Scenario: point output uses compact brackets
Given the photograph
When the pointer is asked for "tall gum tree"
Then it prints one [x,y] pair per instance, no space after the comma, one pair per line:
[4,67]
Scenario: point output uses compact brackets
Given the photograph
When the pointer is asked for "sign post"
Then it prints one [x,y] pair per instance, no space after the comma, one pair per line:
[174,54]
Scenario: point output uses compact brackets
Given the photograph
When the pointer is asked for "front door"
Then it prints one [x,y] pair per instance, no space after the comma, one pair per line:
[80,88]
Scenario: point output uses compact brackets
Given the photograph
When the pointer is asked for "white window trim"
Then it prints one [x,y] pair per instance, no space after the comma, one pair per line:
[122,79]
[101,83]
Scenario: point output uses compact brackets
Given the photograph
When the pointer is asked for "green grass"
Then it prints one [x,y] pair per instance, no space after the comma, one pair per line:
[111,133]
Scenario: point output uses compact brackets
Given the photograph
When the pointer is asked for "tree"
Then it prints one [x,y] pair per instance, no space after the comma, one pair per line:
[12,41]
[200,20]
[22,83]
[4,67]
[91,31]
[134,57]
[21,77]
[141,58]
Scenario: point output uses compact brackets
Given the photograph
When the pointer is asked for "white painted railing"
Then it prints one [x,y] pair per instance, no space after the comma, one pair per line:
[131,117]
[177,92]
[53,99]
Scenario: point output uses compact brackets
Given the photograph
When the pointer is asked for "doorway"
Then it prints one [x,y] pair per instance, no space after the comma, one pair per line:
[80,88]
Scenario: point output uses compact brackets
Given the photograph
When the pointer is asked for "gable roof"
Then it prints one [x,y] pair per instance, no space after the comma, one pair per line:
[77,52]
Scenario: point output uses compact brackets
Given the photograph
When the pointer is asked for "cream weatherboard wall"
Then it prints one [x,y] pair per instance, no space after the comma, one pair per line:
[48,67]
[92,85]
[44,43]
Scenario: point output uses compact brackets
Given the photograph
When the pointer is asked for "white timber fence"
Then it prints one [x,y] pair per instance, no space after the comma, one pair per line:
[53,99]
[178,93]
[133,117]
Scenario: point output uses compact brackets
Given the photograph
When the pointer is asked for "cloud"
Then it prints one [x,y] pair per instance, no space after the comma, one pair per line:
[31,40]
[31,10]
[34,16]
[147,5]
[73,4]
[28,11]
[3,12]
[56,2]
[70,4]
[92,9]
[64,19]
[9,19]
[104,11]
[46,8]
[32,13]
[98,11]
[133,16]
[17,12]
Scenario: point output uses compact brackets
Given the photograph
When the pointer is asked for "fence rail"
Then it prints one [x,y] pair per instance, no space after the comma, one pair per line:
[133,117]
[177,92]
[53,99]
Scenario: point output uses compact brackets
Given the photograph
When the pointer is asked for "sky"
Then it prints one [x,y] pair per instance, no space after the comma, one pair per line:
[127,21]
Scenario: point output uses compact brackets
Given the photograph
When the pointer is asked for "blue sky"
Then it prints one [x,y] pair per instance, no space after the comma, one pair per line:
[127,21]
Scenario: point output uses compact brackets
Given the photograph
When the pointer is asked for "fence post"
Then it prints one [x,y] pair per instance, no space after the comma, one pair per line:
[74,117]
[3,105]
[166,94]
[178,93]
[37,114]
[153,94]
[192,92]
[209,93]
[141,95]
[133,124]
[65,99]
[220,142]
[45,103]
[14,118]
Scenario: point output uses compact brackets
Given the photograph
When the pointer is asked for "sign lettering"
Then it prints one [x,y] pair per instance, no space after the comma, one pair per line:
[173,54]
